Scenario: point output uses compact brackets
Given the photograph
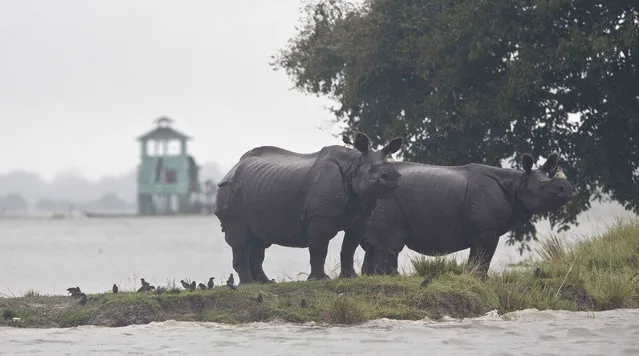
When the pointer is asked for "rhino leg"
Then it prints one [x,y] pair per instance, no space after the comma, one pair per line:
[241,264]
[382,256]
[369,254]
[367,265]
[482,252]
[381,262]
[237,236]
[320,233]
[347,254]
[256,258]
[387,263]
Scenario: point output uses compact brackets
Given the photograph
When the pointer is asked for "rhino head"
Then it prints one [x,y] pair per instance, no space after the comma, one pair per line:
[540,192]
[374,174]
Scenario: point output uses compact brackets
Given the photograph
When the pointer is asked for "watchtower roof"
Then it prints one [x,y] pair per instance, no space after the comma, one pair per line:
[163,132]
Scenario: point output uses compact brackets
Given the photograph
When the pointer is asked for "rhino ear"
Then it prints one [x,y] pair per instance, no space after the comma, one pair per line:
[550,163]
[392,146]
[362,142]
[527,162]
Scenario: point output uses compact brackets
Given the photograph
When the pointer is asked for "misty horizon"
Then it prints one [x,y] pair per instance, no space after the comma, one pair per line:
[76,90]
[77,189]
[78,174]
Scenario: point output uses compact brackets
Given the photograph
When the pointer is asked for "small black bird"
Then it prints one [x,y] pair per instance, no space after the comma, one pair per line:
[427,280]
[346,140]
[210,284]
[231,283]
[146,287]
[115,289]
[192,286]
[201,286]
[537,272]
[77,294]
[260,298]
[73,290]
[185,285]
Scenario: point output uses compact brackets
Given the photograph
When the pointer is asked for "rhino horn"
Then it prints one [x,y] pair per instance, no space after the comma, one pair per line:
[560,174]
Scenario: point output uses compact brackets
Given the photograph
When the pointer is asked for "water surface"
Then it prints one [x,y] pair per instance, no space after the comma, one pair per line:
[51,255]
[521,333]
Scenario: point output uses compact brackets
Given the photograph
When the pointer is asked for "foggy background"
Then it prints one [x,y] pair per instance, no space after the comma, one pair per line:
[79,81]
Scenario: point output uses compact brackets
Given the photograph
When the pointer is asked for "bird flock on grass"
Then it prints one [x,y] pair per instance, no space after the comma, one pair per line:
[76,293]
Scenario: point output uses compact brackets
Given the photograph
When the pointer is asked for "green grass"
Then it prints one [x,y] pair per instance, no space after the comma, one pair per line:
[596,274]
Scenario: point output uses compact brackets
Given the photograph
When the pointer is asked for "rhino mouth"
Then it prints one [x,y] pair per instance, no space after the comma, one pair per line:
[562,198]
[392,185]
[389,188]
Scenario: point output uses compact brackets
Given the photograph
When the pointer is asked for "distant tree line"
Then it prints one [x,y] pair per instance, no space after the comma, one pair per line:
[13,202]
[17,203]
[485,81]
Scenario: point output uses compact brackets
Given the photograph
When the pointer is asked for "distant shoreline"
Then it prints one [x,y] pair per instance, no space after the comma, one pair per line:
[93,216]
[597,274]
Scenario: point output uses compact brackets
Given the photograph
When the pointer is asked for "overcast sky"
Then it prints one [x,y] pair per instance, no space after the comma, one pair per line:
[79,80]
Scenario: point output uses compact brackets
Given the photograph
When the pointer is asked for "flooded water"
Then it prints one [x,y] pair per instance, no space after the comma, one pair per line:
[522,333]
[50,255]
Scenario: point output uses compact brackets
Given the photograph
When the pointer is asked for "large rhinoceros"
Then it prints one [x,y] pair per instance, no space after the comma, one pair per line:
[444,209]
[275,196]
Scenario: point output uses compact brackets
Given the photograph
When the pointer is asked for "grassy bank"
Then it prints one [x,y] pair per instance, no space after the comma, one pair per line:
[597,274]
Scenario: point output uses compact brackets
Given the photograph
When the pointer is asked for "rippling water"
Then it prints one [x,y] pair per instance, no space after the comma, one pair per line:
[51,255]
[520,333]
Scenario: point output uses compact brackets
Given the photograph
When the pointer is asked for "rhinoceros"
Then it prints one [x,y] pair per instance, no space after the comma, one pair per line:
[276,196]
[444,209]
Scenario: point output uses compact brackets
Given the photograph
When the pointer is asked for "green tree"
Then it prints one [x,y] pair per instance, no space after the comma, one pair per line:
[484,81]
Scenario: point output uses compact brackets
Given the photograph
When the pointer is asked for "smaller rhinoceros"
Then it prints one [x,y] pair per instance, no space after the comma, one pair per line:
[444,209]
[275,196]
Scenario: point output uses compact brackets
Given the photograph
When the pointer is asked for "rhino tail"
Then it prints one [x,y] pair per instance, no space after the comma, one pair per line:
[228,178]
[222,199]
[226,190]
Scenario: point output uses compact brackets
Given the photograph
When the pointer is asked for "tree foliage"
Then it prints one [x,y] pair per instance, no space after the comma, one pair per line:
[484,81]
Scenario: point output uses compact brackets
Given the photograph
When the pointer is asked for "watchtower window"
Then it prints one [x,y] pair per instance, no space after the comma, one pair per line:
[171,176]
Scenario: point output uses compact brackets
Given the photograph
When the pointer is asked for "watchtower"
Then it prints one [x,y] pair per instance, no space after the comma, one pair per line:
[168,177]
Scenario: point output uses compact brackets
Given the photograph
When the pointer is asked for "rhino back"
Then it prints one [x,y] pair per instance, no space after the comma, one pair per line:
[267,177]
